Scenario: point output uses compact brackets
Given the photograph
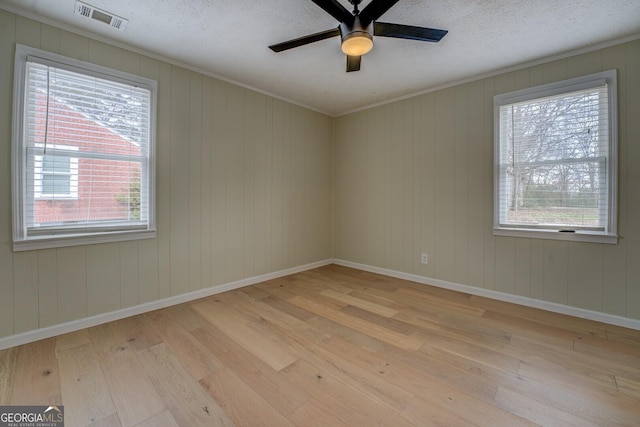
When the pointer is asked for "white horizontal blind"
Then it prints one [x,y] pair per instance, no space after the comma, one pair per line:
[553,161]
[86,143]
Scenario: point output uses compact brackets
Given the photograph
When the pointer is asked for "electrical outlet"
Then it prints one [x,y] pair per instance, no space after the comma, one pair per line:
[424,259]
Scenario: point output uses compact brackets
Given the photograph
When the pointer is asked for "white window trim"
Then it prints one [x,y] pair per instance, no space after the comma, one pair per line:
[610,235]
[22,242]
[73,175]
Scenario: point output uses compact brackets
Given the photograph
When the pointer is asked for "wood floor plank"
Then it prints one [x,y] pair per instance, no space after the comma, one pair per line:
[84,390]
[274,388]
[583,377]
[257,310]
[314,413]
[188,402]
[192,354]
[432,392]
[7,373]
[110,421]
[557,355]
[73,340]
[622,335]
[36,373]
[444,303]
[288,308]
[364,378]
[537,412]
[163,419]
[244,406]
[107,339]
[139,332]
[435,318]
[391,337]
[460,345]
[358,407]
[596,406]
[382,321]
[433,415]
[269,350]
[629,387]
[360,303]
[134,396]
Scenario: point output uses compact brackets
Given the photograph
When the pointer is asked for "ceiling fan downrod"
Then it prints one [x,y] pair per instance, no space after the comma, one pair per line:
[355,4]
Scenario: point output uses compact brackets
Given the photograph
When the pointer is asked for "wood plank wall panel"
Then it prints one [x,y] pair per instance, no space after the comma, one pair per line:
[7,37]
[244,187]
[631,129]
[448,204]
[615,257]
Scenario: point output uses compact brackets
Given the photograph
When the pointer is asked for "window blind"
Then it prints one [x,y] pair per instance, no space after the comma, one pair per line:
[86,143]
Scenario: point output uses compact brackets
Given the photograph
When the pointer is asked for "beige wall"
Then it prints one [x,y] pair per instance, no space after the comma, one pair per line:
[248,185]
[244,188]
[416,176]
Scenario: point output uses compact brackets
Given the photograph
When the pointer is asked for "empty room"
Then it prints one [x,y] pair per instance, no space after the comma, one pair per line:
[319,213]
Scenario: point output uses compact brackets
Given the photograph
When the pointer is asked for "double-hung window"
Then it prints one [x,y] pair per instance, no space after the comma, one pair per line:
[556,160]
[83,153]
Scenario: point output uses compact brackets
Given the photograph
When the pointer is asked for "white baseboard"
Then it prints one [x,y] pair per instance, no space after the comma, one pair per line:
[63,328]
[87,322]
[501,296]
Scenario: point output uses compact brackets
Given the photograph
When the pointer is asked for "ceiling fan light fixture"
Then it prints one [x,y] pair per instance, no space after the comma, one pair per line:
[356,39]
[357,43]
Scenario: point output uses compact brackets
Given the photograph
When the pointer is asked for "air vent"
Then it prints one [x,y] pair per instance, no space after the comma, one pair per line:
[87,11]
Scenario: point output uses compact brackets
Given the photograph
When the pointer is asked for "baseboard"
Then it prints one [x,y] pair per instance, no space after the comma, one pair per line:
[87,322]
[501,296]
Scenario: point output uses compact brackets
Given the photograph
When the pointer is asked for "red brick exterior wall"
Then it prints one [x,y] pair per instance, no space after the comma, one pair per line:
[110,179]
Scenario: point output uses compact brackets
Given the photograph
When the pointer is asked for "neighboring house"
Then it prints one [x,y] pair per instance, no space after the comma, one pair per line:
[72,185]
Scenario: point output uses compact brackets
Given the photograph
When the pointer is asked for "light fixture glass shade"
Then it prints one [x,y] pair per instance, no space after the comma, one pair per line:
[357,43]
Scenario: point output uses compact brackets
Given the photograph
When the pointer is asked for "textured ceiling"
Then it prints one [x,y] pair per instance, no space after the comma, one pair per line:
[229,39]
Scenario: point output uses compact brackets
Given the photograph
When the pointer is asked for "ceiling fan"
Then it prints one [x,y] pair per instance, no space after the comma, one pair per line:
[357,29]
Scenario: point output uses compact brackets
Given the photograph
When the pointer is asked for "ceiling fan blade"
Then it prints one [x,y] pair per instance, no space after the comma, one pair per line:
[304,40]
[408,32]
[353,63]
[375,10]
[335,9]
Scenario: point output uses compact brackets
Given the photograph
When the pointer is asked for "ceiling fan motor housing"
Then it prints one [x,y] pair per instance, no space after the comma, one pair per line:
[356,39]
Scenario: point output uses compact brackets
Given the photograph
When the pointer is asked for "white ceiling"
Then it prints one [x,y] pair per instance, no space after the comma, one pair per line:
[229,39]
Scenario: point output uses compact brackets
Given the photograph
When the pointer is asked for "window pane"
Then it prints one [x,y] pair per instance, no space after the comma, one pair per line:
[557,194]
[108,190]
[56,184]
[56,164]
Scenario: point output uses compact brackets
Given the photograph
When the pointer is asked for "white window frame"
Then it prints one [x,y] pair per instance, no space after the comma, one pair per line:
[609,235]
[39,175]
[23,198]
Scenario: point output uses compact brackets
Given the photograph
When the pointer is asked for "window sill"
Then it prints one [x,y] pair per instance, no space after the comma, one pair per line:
[54,198]
[77,240]
[557,235]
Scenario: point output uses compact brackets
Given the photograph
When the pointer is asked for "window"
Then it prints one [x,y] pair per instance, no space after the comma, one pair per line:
[83,153]
[556,160]
[55,176]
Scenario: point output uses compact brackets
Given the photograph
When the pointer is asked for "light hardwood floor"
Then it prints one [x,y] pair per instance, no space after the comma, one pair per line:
[335,347]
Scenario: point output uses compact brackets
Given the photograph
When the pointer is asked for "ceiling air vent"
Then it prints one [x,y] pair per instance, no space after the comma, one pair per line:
[88,11]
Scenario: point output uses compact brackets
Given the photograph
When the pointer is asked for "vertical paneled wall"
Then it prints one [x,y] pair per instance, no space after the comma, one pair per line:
[244,188]
[417,176]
